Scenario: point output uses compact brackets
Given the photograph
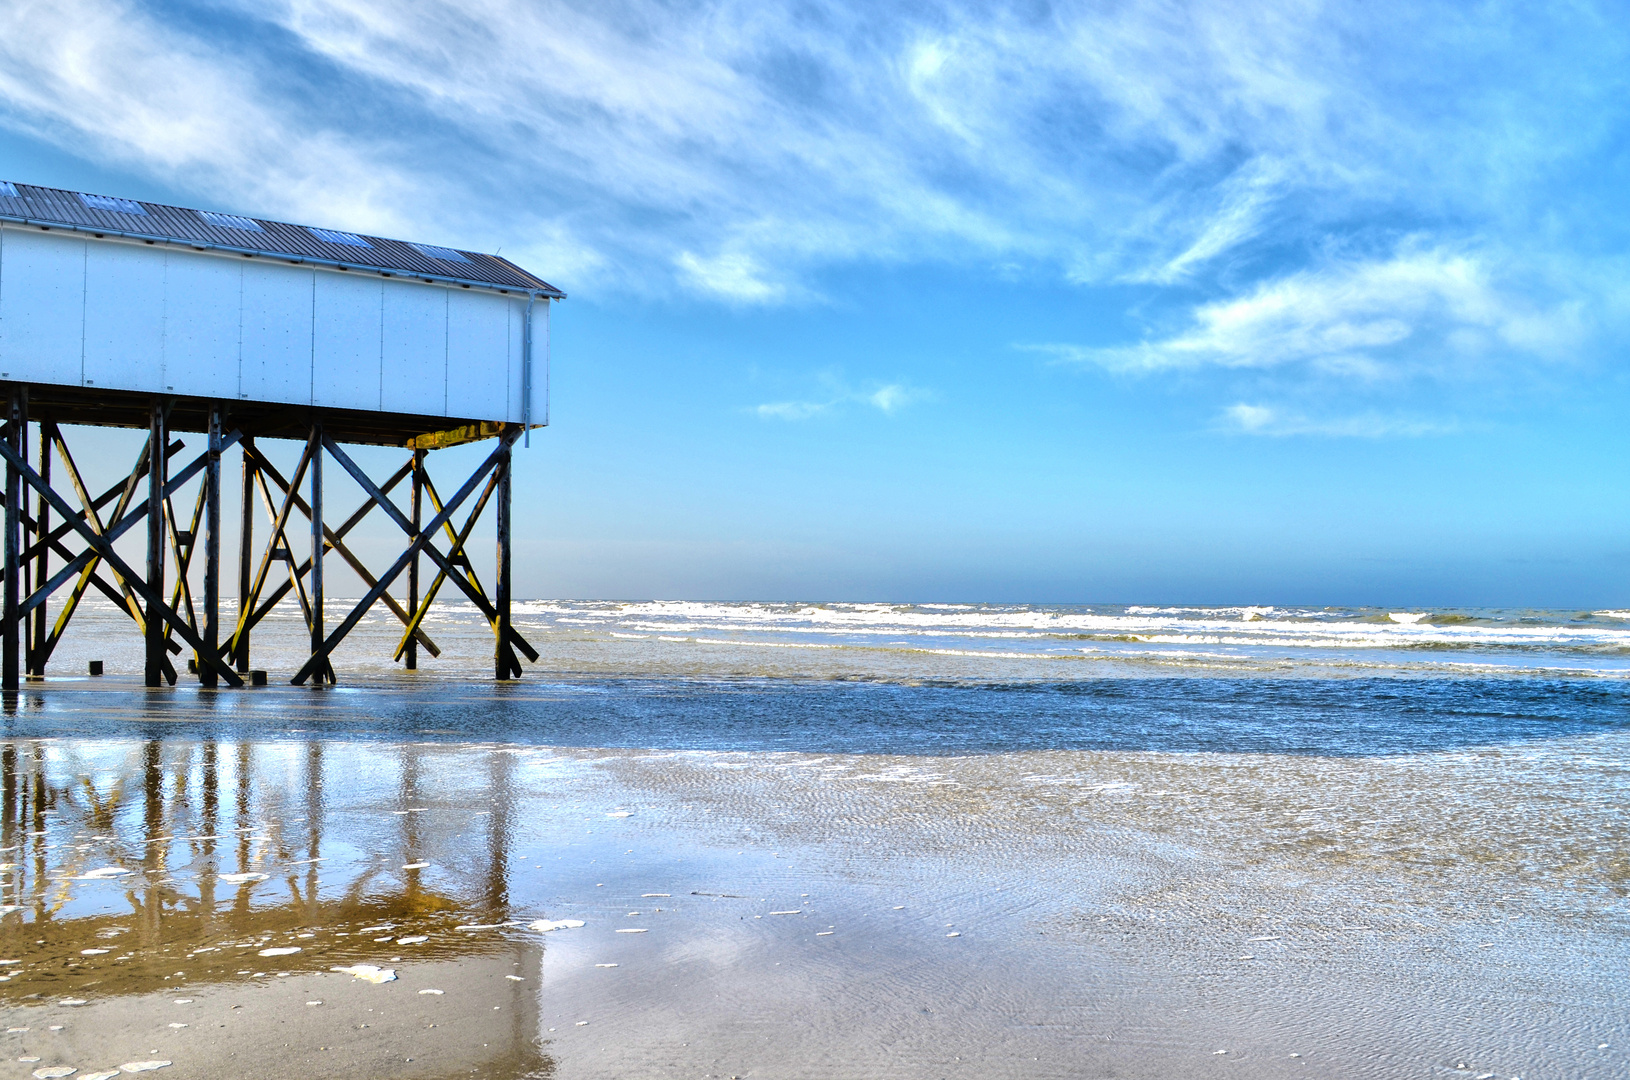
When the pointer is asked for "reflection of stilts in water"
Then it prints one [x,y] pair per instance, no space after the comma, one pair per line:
[410,822]
[212,802]
[11,880]
[497,892]
[149,907]
[314,827]
[246,752]
[42,909]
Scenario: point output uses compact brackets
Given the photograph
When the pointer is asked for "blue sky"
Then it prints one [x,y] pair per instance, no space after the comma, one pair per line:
[1205,302]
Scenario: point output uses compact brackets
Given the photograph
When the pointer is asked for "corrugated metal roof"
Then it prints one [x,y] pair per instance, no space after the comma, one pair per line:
[102,214]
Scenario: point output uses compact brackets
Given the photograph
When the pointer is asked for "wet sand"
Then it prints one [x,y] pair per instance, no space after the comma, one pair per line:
[1452,909]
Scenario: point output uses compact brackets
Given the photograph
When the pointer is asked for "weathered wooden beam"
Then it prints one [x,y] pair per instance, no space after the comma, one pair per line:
[458,436]
[410,657]
[318,547]
[42,565]
[423,607]
[246,549]
[461,557]
[60,531]
[503,656]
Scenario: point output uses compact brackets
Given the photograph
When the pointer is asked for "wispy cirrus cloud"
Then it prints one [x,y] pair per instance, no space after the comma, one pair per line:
[1273,420]
[1421,309]
[1242,174]
[732,149]
[887,399]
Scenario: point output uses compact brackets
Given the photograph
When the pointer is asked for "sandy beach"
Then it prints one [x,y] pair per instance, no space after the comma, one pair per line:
[773,876]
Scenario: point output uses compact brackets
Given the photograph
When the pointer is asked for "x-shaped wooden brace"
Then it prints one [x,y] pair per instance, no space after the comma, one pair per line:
[420,542]
[183,542]
[457,556]
[85,563]
[102,544]
[454,555]
[248,615]
[335,539]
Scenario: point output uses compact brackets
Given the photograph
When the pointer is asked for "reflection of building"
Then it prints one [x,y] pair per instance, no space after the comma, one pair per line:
[204,876]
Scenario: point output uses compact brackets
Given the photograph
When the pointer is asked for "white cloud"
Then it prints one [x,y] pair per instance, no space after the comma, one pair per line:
[1356,318]
[736,277]
[1247,419]
[792,410]
[732,147]
[103,77]
[887,399]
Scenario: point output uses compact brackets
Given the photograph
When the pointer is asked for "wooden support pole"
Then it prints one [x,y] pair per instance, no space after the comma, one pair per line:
[212,548]
[25,566]
[14,523]
[158,436]
[504,656]
[246,556]
[411,657]
[42,562]
[318,542]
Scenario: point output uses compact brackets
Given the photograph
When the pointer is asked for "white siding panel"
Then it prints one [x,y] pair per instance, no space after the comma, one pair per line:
[202,303]
[477,354]
[276,363]
[42,306]
[124,317]
[345,341]
[515,362]
[540,361]
[415,364]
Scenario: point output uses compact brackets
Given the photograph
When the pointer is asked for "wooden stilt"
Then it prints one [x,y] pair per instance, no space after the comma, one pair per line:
[42,563]
[506,664]
[25,567]
[246,557]
[411,657]
[9,616]
[212,548]
[155,544]
[318,543]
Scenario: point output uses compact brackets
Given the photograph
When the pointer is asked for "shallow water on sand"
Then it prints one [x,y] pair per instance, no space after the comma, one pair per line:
[865,864]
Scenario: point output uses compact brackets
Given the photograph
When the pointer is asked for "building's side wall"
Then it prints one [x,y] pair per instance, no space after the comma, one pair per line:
[79,311]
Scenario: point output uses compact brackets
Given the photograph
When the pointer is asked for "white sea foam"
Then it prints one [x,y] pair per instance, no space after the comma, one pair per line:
[1596,643]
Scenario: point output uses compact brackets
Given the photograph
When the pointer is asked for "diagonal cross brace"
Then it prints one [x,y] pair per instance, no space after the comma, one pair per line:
[471,589]
[60,531]
[336,540]
[259,580]
[124,521]
[103,545]
[454,553]
[457,555]
[420,541]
